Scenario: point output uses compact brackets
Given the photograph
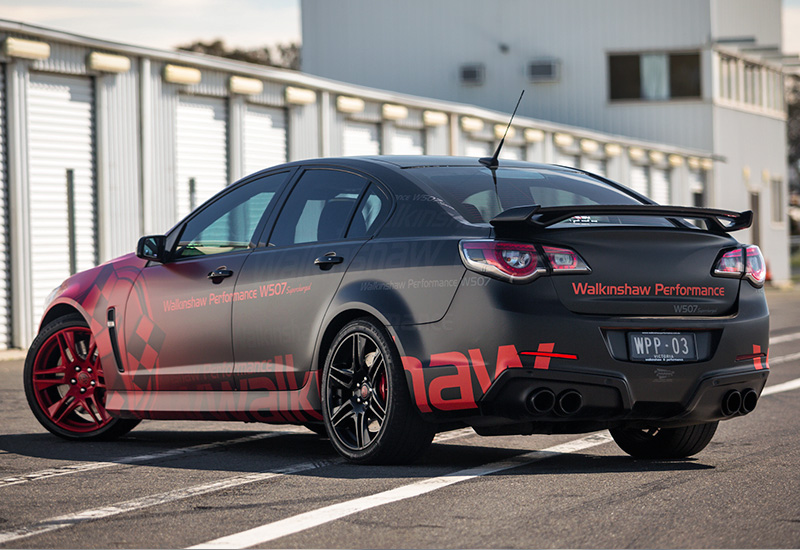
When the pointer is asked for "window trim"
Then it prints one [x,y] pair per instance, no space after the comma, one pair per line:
[263,241]
[175,234]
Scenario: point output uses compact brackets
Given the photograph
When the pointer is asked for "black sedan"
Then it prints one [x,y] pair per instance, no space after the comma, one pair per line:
[382,299]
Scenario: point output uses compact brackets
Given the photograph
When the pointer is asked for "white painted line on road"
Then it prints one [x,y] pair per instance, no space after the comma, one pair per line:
[453,434]
[315,518]
[784,359]
[784,338]
[778,388]
[89,466]
[68,520]
[60,522]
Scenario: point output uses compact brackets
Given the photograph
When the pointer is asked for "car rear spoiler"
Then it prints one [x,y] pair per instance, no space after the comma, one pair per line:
[535,217]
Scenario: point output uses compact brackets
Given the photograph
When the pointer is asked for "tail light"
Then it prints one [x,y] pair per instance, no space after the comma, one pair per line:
[743,263]
[519,262]
[755,269]
[565,260]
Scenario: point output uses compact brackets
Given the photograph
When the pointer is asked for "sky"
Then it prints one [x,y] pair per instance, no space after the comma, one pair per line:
[165,24]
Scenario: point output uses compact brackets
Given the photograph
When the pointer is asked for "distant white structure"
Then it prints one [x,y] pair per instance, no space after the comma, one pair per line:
[700,74]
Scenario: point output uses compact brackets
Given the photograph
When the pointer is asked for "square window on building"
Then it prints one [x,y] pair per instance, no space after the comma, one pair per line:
[684,75]
[624,77]
[543,70]
[471,73]
[654,76]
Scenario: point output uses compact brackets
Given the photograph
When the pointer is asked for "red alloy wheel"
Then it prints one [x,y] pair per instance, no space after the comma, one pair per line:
[68,382]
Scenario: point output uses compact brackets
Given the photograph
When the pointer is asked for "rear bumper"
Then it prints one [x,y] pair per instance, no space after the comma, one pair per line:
[482,363]
[606,400]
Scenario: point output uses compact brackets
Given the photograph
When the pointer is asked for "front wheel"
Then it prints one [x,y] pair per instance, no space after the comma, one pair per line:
[366,404]
[65,385]
[664,442]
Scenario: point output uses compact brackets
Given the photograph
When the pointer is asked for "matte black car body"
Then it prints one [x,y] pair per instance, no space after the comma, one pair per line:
[404,325]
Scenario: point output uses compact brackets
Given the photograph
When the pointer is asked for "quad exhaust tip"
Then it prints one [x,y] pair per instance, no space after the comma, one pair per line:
[544,401]
[541,401]
[569,402]
[749,401]
[743,402]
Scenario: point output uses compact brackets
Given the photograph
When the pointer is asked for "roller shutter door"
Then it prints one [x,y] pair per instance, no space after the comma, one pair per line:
[475,148]
[201,151]
[595,166]
[264,138]
[565,159]
[638,179]
[361,138]
[61,150]
[659,185]
[5,276]
[697,185]
[407,142]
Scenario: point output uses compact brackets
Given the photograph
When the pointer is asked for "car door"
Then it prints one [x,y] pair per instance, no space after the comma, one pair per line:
[178,317]
[297,274]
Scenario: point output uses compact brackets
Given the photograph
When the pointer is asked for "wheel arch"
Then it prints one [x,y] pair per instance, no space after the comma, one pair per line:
[338,322]
[59,310]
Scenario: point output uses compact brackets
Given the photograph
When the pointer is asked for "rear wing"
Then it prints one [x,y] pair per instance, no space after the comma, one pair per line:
[537,218]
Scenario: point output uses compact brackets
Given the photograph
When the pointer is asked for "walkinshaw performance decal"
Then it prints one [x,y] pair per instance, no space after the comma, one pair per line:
[659,289]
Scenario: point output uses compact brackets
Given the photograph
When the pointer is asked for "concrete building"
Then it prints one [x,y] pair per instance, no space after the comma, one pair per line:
[102,142]
[700,74]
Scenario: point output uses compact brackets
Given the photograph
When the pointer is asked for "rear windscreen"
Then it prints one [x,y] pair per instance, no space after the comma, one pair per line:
[478,196]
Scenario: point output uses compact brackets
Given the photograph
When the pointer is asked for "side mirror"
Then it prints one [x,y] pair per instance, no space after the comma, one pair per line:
[152,247]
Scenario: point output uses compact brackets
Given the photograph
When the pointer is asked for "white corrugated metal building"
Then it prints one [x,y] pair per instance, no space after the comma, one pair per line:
[102,142]
[700,74]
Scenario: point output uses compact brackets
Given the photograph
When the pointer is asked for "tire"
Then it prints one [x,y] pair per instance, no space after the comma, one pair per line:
[664,442]
[65,386]
[366,405]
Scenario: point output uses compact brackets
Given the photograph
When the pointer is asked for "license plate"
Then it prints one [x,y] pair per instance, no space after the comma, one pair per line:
[662,346]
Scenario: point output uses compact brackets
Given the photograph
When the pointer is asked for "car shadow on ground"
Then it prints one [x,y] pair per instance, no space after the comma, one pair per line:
[288,449]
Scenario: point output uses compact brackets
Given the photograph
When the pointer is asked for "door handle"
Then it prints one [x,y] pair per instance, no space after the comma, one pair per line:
[328,260]
[220,273]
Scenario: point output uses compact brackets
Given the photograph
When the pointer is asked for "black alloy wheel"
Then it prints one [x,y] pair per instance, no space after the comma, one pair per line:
[366,404]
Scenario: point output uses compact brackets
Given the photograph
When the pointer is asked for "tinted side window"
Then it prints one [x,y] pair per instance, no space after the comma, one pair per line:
[229,223]
[371,212]
[319,208]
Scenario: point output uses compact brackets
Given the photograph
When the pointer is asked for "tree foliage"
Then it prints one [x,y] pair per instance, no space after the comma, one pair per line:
[286,56]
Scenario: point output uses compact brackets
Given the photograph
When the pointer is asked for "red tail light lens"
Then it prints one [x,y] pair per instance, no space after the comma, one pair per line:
[511,262]
[755,269]
[731,264]
[519,262]
[563,260]
[746,262]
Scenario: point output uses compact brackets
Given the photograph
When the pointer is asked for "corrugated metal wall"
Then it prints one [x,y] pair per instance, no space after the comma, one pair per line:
[159,111]
[5,275]
[118,164]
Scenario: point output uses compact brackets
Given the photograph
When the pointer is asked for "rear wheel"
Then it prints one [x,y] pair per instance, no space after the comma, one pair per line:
[664,442]
[366,405]
[65,384]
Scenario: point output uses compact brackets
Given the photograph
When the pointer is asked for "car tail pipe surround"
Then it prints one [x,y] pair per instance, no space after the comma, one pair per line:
[749,401]
[743,402]
[541,401]
[568,403]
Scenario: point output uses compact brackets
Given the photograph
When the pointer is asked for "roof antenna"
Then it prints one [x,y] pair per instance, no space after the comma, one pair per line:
[491,162]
